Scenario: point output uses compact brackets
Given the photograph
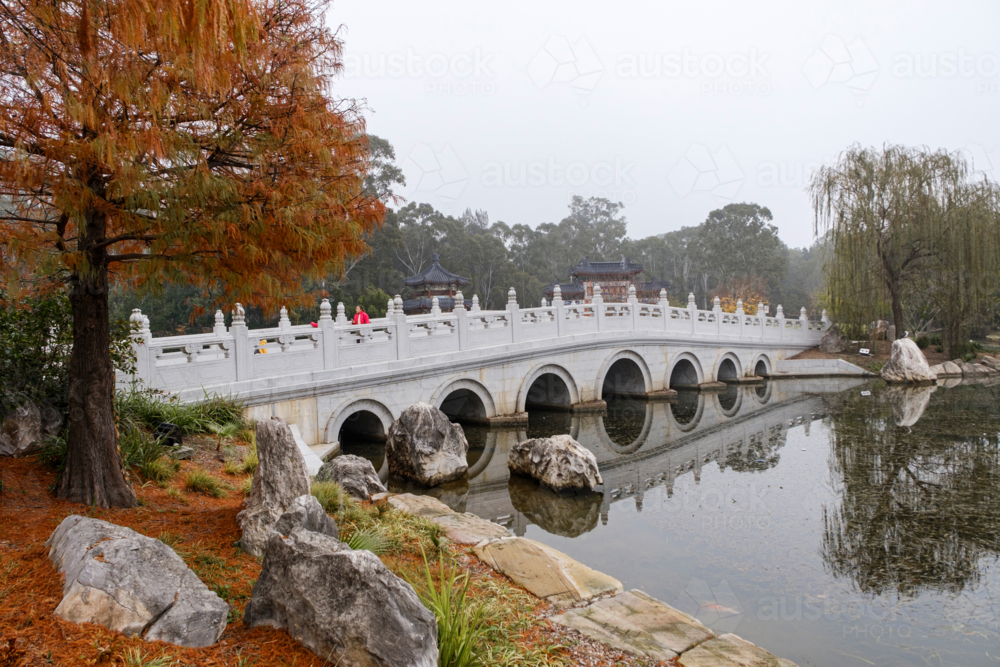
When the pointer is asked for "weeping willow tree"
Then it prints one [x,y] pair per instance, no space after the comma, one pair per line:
[908,223]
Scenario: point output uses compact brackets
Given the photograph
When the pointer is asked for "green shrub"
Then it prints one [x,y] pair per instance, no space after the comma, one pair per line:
[332,498]
[460,625]
[136,658]
[160,470]
[923,342]
[200,481]
[151,409]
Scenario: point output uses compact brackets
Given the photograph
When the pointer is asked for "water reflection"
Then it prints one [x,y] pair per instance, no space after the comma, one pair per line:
[920,489]
[566,514]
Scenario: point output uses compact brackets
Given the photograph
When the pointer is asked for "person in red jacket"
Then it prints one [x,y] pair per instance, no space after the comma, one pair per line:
[360,316]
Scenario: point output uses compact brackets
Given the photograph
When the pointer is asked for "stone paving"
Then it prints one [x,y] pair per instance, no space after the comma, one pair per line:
[593,603]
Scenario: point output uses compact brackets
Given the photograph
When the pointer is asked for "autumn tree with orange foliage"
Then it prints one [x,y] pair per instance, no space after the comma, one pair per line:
[183,140]
[750,291]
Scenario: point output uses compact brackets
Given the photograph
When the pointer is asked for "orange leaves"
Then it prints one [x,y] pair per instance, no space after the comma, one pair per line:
[205,147]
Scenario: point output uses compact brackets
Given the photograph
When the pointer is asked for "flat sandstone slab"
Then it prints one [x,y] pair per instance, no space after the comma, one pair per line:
[460,528]
[469,528]
[545,572]
[639,624]
[731,651]
[424,506]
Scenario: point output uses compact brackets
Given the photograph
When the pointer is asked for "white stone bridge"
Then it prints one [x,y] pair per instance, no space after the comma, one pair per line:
[475,365]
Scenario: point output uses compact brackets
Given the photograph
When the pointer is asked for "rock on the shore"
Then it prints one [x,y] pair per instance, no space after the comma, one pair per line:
[976,370]
[907,363]
[833,341]
[948,369]
[730,650]
[637,623]
[306,512]
[343,605]
[280,478]
[559,462]
[132,584]
[354,474]
[425,447]
[992,362]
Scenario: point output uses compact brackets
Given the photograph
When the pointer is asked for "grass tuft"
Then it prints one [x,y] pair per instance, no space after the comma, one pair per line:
[200,481]
[332,498]
[460,625]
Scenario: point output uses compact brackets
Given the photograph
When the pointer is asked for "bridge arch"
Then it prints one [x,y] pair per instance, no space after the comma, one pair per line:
[684,370]
[728,367]
[467,399]
[630,382]
[347,410]
[762,365]
[560,373]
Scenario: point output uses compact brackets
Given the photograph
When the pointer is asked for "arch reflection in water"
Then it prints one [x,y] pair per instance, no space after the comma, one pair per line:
[686,408]
[566,514]
[363,434]
[625,426]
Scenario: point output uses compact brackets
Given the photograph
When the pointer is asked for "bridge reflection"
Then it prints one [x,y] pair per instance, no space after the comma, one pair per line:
[639,445]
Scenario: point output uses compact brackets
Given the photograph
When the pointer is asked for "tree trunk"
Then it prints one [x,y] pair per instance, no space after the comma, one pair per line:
[93,473]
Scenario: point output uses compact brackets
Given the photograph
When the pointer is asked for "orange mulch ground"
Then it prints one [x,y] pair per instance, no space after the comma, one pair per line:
[30,587]
[203,531]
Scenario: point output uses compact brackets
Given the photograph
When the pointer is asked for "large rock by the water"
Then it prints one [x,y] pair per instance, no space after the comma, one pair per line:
[425,447]
[947,369]
[132,584]
[344,605]
[976,370]
[559,462]
[833,341]
[907,363]
[279,479]
[992,362]
[354,474]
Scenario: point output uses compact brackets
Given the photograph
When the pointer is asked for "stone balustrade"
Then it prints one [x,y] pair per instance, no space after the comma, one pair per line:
[239,354]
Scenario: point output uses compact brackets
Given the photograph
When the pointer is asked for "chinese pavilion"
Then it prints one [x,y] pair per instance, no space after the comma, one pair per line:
[614,279]
[434,281]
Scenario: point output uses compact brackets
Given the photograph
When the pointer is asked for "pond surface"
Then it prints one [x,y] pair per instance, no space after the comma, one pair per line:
[832,522]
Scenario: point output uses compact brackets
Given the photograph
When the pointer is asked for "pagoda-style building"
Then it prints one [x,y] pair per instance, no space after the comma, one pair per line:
[434,281]
[614,279]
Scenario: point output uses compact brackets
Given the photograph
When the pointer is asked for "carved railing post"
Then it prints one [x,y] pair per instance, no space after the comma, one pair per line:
[241,341]
[692,311]
[402,329]
[283,322]
[717,309]
[331,341]
[220,324]
[461,322]
[599,307]
[664,304]
[560,308]
[633,306]
[515,316]
[780,316]
[826,320]
[740,316]
[141,338]
[341,314]
[804,319]
[761,318]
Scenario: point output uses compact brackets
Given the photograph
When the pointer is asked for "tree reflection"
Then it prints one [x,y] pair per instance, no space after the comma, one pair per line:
[919,496]
[757,452]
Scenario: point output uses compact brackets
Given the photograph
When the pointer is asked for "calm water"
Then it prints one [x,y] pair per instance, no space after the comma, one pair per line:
[830,525]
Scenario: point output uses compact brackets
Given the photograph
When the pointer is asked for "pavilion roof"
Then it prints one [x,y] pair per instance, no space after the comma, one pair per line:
[435,274]
[586,268]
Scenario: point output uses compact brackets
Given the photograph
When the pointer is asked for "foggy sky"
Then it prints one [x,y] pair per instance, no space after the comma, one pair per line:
[672,108]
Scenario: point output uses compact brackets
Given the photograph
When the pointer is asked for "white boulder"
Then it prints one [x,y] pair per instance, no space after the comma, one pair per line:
[279,479]
[343,605]
[424,446]
[559,462]
[354,474]
[907,363]
[132,584]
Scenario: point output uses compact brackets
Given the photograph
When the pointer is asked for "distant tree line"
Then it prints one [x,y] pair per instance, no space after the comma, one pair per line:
[734,253]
